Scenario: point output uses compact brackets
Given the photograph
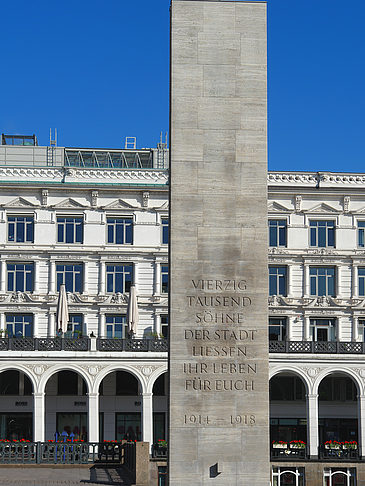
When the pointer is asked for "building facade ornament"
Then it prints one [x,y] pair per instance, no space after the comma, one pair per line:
[94,198]
[145,199]
[44,197]
[346,204]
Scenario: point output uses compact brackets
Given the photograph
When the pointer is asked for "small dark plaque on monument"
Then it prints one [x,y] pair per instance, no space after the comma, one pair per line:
[218,249]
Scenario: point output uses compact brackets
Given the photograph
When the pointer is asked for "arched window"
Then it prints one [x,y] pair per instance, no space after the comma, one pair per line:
[288,476]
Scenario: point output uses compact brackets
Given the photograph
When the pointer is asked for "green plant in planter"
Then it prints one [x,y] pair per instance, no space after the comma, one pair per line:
[332,444]
[279,444]
[349,445]
[154,335]
[162,443]
[297,444]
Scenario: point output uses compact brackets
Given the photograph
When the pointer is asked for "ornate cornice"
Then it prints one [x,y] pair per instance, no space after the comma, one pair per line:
[122,175]
[80,175]
[315,302]
[317,179]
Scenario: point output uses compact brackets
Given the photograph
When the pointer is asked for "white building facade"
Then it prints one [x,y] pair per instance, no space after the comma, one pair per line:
[316,326]
[97,221]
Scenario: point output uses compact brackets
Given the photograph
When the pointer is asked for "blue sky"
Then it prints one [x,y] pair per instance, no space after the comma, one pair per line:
[98,72]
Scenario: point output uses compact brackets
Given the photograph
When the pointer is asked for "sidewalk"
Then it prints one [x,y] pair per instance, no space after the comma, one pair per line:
[62,476]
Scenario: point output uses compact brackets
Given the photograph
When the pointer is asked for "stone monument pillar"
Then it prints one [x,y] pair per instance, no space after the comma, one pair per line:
[218,245]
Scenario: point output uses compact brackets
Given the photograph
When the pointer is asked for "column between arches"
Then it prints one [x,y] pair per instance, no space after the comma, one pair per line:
[93,416]
[147,417]
[312,424]
[39,410]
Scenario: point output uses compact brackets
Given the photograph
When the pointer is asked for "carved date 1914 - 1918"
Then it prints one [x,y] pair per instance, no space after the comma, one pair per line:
[202,419]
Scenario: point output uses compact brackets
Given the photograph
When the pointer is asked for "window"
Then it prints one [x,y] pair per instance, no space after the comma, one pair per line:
[126,384]
[362,328]
[21,229]
[118,278]
[165,231]
[277,232]
[322,281]
[70,275]
[159,422]
[72,423]
[287,388]
[277,280]
[128,426]
[120,231]
[19,325]
[15,383]
[15,425]
[361,234]
[323,329]
[277,329]
[74,326]
[20,277]
[164,279]
[165,326]
[336,476]
[361,276]
[288,429]
[322,233]
[70,383]
[337,389]
[116,327]
[288,476]
[69,230]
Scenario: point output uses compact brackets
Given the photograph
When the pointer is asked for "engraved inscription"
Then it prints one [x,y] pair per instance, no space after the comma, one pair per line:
[223,341]
[196,419]
[221,285]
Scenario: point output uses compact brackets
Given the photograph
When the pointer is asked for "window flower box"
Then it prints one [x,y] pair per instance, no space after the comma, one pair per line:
[280,445]
[351,445]
[333,444]
[297,444]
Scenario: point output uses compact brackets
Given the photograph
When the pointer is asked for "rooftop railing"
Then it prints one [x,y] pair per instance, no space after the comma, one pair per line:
[82,344]
[156,345]
[62,453]
[287,452]
[317,347]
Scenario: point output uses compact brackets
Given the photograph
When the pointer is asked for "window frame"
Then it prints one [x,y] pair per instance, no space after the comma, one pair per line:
[277,232]
[165,226]
[25,282]
[123,324]
[64,224]
[350,474]
[360,326]
[122,223]
[164,275]
[75,329]
[278,279]
[361,281]
[164,325]
[125,288]
[64,281]
[331,328]
[326,280]
[299,474]
[17,215]
[24,332]
[360,230]
[282,325]
[324,220]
